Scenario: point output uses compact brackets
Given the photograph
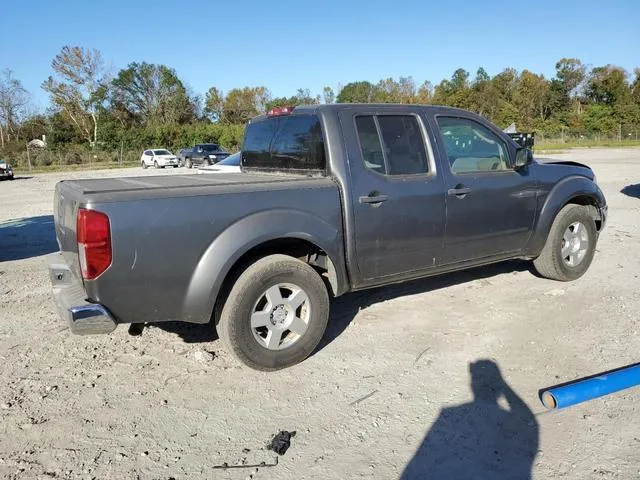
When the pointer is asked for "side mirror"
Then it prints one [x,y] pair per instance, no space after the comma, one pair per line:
[524,157]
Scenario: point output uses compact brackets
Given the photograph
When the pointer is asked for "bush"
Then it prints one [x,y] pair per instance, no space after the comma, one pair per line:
[72,158]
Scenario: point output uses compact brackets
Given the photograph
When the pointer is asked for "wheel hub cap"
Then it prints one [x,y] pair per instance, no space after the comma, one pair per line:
[575,243]
[280,316]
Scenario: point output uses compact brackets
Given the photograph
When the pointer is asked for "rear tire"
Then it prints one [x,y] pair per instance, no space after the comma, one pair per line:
[254,322]
[188,163]
[144,165]
[570,245]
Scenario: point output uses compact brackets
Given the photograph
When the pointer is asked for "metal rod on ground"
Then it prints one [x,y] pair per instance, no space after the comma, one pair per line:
[589,388]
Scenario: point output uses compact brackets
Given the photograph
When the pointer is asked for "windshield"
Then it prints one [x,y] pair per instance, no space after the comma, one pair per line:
[162,152]
[232,160]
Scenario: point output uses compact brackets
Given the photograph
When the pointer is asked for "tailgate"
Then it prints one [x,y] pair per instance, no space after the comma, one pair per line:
[65,210]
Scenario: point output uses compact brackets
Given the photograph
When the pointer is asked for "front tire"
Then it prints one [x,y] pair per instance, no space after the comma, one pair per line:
[155,164]
[275,314]
[570,245]
[188,163]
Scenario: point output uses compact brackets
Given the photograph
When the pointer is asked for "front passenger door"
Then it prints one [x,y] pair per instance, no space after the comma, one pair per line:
[490,206]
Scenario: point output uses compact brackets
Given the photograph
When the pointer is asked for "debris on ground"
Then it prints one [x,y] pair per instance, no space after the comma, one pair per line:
[281,442]
[226,466]
[556,292]
[203,356]
[362,399]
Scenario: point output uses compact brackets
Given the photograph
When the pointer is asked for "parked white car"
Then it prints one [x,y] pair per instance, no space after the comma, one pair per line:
[159,158]
[230,164]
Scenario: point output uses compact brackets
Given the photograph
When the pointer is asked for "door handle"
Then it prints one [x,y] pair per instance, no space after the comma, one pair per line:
[373,199]
[459,191]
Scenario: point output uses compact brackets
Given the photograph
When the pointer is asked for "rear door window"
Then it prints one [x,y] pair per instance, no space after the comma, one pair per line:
[392,144]
[370,144]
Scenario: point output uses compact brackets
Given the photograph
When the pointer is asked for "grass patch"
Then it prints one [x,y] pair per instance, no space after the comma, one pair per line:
[561,146]
[74,168]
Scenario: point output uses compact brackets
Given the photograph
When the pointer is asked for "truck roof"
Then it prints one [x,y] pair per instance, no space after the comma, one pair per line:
[336,107]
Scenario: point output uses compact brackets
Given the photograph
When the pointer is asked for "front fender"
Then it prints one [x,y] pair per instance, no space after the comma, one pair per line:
[247,233]
[564,192]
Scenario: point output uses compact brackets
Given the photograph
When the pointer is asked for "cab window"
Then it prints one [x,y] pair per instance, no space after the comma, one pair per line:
[471,147]
[392,144]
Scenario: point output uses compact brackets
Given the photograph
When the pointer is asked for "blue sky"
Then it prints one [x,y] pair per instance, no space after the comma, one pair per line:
[285,45]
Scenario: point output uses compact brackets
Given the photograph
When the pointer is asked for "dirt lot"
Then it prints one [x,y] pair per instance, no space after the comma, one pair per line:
[396,364]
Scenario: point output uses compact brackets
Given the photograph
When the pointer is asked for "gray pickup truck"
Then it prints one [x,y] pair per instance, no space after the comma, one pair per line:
[331,199]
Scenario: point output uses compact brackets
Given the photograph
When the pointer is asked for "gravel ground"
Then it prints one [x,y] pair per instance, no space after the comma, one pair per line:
[389,394]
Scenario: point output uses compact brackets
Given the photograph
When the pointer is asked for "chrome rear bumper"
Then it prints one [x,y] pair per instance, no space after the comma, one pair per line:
[82,316]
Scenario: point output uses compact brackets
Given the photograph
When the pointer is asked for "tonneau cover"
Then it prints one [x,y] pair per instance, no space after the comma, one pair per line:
[162,186]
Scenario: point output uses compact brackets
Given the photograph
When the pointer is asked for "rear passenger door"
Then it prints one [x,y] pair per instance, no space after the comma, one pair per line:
[490,205]
[397,198]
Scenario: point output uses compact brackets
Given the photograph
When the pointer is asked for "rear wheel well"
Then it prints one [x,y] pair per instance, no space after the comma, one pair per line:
[303,250]
[590,202]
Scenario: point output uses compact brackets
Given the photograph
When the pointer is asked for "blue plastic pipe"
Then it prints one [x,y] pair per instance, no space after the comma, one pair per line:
[592,387]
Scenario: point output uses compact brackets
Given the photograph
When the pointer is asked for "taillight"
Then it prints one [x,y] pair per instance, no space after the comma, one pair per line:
[94,243]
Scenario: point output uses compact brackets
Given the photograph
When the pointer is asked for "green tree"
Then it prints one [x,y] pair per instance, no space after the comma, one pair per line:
[391,91]
[424,95]
[302,97]
[214,104]
[455,92]
[608,85]
[242,104]
[357,92]
[635,86]
[531,98]
[78,88]
[14,99]
[484,96]
[327,95]
[571,73]
[152,95]
[600,119]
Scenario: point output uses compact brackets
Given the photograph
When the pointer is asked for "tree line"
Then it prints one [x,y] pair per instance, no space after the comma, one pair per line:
[147,105]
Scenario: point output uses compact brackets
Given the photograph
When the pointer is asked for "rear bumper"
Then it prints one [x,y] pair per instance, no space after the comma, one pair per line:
[83,317]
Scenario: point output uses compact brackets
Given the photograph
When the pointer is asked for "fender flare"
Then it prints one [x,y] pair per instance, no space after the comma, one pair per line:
[563,193]
[247,233]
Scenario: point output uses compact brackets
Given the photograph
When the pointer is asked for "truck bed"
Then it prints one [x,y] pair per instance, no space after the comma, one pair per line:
[164,186]
[163,229]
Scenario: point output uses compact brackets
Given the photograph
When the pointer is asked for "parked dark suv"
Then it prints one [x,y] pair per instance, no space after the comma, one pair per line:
[203,154]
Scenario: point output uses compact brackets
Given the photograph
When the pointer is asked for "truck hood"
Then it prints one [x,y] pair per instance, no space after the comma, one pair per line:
[565,166]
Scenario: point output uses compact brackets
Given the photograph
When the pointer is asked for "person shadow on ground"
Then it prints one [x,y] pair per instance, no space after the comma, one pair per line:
[493,437]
